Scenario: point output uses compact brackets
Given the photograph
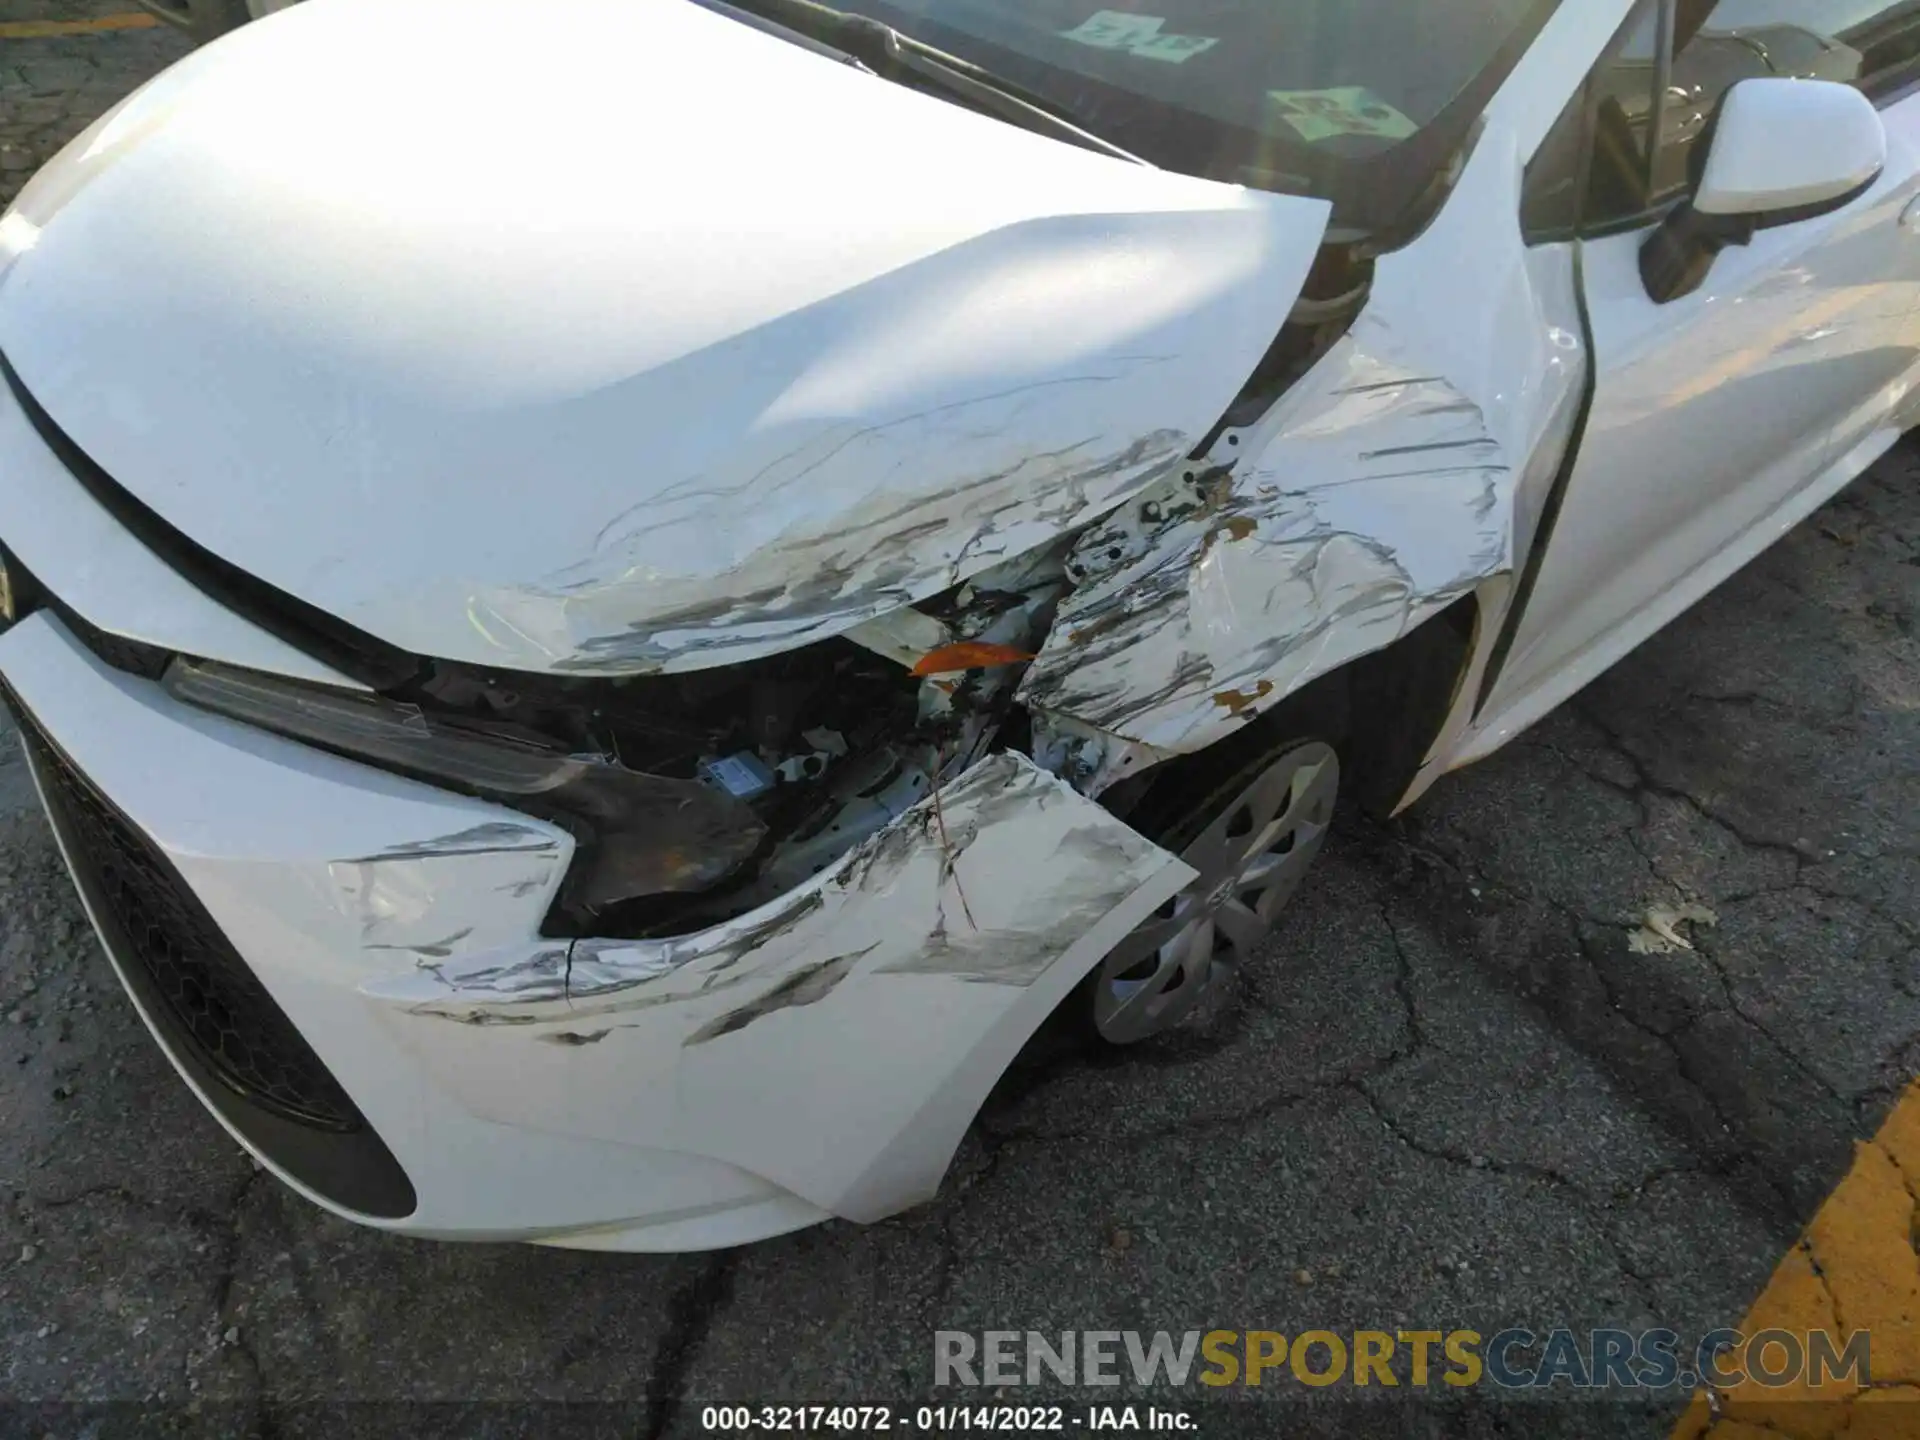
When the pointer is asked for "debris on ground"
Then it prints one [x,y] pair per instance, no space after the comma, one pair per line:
[1659,933]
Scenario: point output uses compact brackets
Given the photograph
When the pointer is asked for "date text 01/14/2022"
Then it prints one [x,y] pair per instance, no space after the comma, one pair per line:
[941,1419]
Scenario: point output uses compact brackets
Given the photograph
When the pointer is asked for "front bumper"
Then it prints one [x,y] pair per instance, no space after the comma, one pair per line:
[821,1056]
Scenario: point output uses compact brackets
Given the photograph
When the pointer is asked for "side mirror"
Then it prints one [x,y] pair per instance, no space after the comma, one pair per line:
[1779,151]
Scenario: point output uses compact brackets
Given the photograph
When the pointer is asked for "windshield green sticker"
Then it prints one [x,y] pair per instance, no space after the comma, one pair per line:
[1349,110]
[1138,35]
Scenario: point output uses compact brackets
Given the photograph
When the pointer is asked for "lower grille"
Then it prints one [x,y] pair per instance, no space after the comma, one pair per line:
[220,1005]
[248,1059]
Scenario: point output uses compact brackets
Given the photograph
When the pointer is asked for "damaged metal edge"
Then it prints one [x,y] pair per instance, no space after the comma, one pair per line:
[598,971]
[590,984]
[491,837]
[1400,473]
[871,563]
[808,986]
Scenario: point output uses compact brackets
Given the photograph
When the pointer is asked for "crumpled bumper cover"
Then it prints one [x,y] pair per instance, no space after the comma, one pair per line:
[820,1056]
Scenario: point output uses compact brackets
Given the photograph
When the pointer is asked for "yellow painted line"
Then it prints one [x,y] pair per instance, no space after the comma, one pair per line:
[47,29]
[1856,1267]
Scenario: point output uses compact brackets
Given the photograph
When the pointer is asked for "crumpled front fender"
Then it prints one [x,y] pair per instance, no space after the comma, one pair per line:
[1404,470]
[837,1041]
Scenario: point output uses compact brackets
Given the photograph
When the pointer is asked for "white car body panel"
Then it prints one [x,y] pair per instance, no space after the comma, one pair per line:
[533,432]
[1754,167]
[109,578]
[934,958]
[1719,421]
[1509,714]
[711,1084]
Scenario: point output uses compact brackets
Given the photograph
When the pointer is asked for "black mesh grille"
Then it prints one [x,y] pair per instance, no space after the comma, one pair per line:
[220,1006]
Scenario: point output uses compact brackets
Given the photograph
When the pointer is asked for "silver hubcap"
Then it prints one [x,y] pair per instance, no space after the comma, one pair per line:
[1251,858]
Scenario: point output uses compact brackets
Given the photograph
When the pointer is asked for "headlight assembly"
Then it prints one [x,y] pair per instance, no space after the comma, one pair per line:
[641,834]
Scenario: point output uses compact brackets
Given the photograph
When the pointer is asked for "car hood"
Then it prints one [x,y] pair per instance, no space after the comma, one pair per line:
[633,339]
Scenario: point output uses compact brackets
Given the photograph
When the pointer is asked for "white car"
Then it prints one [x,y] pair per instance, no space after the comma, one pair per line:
[607,628]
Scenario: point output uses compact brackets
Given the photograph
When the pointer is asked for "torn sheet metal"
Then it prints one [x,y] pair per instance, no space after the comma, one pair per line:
[836,1041]
[902,636]
[493,837]
[1403,469]
[625,610]
[400,901]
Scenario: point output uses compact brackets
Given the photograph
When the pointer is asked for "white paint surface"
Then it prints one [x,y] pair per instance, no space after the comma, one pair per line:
[821,1056]
[59,531]
[719,347]
[1782,145]
[1719,421]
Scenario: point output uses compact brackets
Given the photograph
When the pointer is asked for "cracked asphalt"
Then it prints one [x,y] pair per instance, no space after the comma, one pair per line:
[1456,1094]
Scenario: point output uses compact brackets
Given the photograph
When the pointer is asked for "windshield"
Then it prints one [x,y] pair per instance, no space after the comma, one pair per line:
[1357,101]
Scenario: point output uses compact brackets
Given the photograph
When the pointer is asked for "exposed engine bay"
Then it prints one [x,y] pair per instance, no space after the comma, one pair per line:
[817,749]
[809,753]
[696,797]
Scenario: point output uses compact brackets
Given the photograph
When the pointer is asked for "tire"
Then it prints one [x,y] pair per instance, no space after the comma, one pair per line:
[204,20]
[1282,768]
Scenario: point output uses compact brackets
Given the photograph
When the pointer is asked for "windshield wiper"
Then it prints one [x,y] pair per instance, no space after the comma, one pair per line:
[886,52]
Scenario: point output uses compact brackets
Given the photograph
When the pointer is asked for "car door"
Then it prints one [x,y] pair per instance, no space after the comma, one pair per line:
[1720,418]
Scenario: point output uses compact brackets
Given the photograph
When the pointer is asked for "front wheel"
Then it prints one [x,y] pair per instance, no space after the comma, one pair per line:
[1252,835]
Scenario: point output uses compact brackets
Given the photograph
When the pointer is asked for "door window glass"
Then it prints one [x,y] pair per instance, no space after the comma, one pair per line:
[1645,118]
[1874,44]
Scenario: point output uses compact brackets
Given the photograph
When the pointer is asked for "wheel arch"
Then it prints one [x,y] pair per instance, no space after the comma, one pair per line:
[1383,712]
[1401,697]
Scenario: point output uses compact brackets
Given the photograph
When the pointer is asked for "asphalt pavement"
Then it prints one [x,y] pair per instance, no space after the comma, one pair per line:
[1462,1090]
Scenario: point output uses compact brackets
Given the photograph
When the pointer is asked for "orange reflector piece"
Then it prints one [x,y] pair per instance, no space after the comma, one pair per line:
[967,655]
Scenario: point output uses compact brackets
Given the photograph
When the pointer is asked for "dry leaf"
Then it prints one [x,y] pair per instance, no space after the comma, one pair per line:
[1659,933]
